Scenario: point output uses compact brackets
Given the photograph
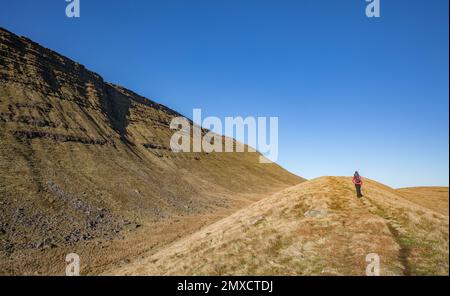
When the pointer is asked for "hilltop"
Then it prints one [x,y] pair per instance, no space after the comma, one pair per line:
[317,227]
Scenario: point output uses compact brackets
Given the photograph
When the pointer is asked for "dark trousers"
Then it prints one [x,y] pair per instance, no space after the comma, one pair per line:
[358,190]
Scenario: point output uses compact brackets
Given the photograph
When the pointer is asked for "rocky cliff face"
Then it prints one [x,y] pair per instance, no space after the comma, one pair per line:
[82,159]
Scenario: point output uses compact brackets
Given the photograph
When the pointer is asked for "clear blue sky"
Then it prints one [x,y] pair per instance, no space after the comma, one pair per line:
[350,92]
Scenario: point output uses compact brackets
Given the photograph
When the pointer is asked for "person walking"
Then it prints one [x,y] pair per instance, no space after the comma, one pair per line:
[357,180]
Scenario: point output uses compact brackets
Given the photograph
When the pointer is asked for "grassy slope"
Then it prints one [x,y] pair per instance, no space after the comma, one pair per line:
[434,198]
[273,236]
[84,163]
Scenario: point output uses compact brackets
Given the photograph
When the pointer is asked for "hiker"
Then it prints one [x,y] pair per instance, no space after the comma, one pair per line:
[357,180]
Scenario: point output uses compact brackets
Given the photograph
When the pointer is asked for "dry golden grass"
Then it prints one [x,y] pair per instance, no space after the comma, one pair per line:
[434,198]
[274,237]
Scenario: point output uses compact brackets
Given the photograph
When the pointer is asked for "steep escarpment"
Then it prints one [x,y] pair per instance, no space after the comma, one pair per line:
[82,159]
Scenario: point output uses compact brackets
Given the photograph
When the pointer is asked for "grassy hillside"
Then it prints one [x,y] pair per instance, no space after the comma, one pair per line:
[84,162]
[316,228]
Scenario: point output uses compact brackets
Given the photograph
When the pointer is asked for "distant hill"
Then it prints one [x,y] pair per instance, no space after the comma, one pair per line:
[84,162]
[434,198]
[316,228]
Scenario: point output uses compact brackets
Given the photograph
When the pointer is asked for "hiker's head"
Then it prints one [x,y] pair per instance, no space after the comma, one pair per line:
[356,174]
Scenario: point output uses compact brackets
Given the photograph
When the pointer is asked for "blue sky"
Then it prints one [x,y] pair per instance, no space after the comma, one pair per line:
[350,92]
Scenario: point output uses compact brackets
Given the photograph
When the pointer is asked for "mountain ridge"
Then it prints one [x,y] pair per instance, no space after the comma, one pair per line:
[86,162]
